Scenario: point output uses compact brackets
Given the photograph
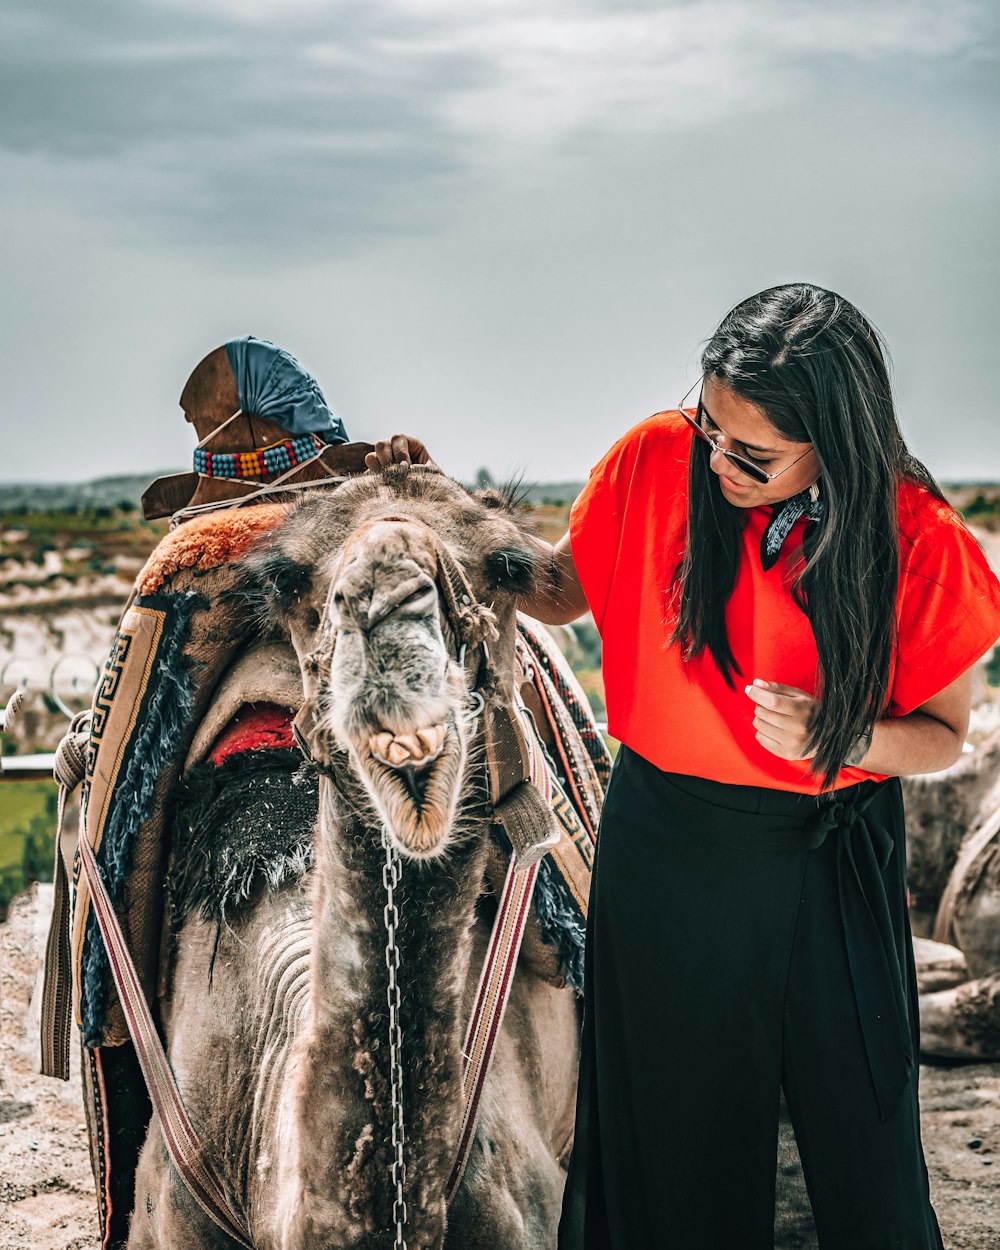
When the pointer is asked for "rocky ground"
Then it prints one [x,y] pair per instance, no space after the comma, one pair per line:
[960,1116]
[961,1123]
[46,1187]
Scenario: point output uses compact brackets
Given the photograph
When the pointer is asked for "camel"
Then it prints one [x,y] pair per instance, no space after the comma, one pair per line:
[282,1057]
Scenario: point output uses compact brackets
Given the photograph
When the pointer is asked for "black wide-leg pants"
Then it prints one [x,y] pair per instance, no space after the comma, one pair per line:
[741,941]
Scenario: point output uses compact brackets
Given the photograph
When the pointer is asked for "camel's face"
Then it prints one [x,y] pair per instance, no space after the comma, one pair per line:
[367,616]
[395,698]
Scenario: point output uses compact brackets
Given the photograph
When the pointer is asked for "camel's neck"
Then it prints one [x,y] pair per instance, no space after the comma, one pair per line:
[347,1089]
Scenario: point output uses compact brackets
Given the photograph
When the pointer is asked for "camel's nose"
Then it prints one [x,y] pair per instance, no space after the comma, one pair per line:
[390,665]
[384,576]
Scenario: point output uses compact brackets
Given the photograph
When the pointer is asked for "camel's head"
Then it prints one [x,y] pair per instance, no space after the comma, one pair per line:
[398,593]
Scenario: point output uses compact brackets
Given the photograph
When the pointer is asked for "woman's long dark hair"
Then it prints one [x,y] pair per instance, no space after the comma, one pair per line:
[817,369]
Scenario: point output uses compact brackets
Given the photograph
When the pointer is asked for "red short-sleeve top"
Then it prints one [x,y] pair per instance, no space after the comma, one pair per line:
[627,531]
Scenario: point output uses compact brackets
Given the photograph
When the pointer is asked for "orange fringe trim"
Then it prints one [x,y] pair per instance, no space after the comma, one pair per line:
[209,541]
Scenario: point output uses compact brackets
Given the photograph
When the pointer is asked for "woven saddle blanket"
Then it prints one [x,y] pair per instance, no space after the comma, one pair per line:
[179,640]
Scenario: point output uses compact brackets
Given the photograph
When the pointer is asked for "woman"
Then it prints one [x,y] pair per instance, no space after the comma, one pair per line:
[790,613]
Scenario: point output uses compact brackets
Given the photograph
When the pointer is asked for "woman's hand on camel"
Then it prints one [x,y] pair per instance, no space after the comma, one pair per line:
[782,718]
[400,449]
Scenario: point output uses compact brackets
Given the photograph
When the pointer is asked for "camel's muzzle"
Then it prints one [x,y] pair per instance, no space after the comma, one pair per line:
[397,700]
[417,800]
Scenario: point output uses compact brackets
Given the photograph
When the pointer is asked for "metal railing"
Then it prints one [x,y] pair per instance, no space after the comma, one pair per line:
[27,767]
[73,676]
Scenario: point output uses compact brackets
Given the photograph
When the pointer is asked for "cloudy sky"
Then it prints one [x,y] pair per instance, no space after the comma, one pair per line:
[503,225]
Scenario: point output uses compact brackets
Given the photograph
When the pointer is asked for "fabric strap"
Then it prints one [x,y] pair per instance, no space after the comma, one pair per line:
[496,980]
[182,1143]
[864,849]
[490,1004]
[57,986]
[180,1139]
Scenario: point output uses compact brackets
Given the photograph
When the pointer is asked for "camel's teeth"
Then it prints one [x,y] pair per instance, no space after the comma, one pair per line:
[432,737]
[397,754]
[379,744]
[409,743]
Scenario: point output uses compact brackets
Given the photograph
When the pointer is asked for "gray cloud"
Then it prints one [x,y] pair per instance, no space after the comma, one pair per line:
[199,127]
[502,228]
[318,126]
[145,75]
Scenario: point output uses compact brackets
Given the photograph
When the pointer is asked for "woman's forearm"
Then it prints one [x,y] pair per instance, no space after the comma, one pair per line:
[557,597]
[912,744]
[925,741]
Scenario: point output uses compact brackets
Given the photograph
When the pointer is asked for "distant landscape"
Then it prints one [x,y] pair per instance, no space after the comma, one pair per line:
[102,492]
[974,498]
[126,491]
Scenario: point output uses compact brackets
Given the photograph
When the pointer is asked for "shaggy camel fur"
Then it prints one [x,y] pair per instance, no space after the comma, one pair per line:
[282,1060]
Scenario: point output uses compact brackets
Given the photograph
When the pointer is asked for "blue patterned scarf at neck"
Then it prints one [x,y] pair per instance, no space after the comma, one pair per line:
[783,517]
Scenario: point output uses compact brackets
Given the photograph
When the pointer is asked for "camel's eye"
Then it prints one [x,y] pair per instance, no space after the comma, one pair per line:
[511,568]
[288,582]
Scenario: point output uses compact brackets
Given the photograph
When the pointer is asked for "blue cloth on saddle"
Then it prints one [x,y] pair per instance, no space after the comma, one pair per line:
[272,384]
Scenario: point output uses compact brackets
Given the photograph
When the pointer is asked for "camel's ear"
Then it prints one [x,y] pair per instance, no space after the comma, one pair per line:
[509,496]
[511,569]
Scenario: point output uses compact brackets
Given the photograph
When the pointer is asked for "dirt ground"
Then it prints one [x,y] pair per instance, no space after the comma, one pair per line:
[46,1185]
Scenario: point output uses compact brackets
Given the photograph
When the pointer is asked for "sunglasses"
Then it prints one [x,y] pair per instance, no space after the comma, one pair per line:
[753,471]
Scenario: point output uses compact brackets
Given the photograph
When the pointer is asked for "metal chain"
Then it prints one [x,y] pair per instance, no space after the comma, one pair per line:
[391,870]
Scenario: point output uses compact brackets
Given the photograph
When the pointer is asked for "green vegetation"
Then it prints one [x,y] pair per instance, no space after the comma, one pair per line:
[983,509]
[76,526]
[27,836]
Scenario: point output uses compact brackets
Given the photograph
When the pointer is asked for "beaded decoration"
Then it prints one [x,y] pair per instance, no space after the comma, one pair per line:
[277,458]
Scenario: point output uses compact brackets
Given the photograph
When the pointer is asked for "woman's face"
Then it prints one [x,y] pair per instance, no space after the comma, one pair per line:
[740,426]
